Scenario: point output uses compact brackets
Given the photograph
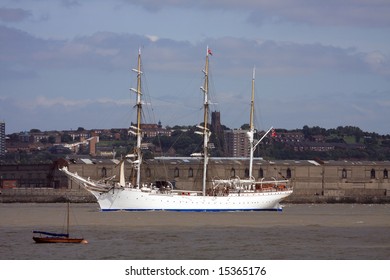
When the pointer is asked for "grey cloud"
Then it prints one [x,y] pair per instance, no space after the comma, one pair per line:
[16,53]
[70,3]
[353,13]
[33,113]
[108,51]
[357,13]
[289,58]
[13,15]
[20,50]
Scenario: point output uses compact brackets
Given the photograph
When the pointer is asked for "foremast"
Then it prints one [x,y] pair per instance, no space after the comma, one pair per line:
[137,130]
[205,130]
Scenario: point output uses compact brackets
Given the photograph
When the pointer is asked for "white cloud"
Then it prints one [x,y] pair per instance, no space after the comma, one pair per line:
[378,62]
[153,38]
[42,101]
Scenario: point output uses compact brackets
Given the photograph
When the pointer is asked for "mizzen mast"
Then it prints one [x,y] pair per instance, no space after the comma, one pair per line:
[252,143]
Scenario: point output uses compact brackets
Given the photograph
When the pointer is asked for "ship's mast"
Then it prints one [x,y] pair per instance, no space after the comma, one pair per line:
[139,115]
[205,130]
[252,143]
[251,125]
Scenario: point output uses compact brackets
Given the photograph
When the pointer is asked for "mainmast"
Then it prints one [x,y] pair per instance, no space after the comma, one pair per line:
[251,125]
[205,130]
[139,115]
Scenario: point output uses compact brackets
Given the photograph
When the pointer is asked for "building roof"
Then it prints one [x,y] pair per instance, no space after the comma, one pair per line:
[229,161]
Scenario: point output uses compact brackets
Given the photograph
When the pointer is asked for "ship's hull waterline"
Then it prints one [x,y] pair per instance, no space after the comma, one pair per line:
[131,199]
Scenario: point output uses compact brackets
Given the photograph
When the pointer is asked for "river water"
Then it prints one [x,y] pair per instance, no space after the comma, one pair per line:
[299,232]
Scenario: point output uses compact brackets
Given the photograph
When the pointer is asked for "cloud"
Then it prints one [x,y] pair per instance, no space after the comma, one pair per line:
[288,58]
[42,101]
[63,113]
[367,13]
[13,15]
[24,54]
[378,62]
[17,50]
[357,13]
[153,38]
[20,50]
[70,3]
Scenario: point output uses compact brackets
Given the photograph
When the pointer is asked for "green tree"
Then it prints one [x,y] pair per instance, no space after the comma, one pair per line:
[66,138]
[51,139]
[245,126]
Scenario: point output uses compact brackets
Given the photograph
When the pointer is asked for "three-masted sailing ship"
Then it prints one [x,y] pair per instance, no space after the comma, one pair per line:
[233,194]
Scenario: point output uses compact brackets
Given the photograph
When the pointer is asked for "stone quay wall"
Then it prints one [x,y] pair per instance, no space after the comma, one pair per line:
[45,195]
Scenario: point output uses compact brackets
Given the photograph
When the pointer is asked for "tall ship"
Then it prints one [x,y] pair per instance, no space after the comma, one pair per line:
[231,194]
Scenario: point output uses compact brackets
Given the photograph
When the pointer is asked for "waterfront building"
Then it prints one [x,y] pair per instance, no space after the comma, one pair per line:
[2,139]
[313,181]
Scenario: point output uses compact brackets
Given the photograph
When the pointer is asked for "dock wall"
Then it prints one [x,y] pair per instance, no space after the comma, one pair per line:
[329,182]
[49,195]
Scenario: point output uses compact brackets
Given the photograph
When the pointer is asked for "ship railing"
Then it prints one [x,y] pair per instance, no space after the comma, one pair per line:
[250,185]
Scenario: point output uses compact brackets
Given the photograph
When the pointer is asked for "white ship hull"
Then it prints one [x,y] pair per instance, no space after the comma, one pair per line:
[132,199]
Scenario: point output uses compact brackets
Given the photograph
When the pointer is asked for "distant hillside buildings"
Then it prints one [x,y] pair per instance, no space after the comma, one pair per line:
[316,180]
[237,143]
[229,142]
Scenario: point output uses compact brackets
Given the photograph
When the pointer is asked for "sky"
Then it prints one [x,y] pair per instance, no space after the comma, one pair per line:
[66,64]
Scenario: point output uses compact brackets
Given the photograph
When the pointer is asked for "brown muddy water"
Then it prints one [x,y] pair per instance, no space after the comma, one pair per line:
[300,232]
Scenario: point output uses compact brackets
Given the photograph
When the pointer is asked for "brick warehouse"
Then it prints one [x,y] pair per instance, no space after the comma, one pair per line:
[313,181]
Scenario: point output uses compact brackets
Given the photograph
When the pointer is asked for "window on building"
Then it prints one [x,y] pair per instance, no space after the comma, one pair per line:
[246,172]
[190,172]
[385,174]
[261,173]
[344,173]
[148,172]
[372,173]
[177,172]
[232,172]
[104,172]
[288,173]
